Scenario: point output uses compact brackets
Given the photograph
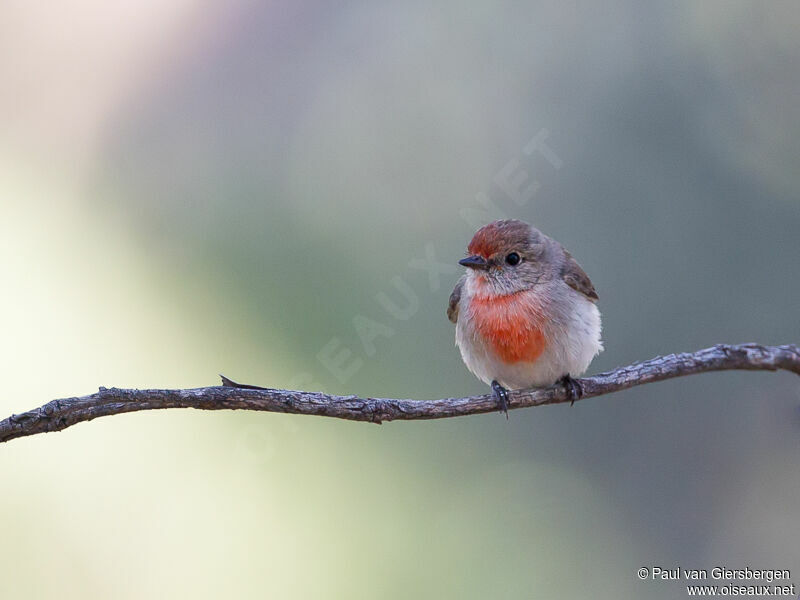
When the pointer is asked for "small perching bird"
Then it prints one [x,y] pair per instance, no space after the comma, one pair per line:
[524,311]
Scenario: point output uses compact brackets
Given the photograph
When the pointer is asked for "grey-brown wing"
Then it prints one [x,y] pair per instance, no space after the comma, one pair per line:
[455,298]
[576,278]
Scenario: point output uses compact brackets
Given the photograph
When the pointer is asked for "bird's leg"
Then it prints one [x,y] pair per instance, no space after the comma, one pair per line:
[573,387]
[501,394]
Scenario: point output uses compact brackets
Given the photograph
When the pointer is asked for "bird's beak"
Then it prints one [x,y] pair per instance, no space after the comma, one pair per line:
[474,262]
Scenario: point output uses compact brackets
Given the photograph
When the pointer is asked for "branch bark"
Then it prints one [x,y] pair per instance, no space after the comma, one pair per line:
[60,414]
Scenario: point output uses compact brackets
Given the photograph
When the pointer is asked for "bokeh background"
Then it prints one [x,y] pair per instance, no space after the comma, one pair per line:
[191,188]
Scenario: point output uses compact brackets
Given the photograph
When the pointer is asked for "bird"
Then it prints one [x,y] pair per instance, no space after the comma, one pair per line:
[525,311]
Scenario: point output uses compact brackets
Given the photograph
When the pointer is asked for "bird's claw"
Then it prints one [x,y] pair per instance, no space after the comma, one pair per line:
[501,394]
[573,387]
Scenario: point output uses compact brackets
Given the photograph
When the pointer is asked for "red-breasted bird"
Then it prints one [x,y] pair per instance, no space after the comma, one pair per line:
[524,311]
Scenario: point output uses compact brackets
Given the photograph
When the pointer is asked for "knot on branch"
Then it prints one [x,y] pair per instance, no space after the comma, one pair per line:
[378,410]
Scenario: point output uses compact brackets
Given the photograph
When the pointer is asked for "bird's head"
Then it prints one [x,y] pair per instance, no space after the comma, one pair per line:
[505,257]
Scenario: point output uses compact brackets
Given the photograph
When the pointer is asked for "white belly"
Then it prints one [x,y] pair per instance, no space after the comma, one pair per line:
[573,340]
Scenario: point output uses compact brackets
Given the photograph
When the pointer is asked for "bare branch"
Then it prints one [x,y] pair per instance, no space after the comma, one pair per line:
[63,413]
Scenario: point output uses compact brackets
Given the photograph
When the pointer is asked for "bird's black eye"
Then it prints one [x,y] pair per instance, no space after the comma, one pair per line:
[513,259]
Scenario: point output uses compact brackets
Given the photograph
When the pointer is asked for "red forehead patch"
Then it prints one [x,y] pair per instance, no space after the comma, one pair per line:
[497,237]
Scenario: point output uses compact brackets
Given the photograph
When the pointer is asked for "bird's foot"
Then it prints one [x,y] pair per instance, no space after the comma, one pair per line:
[501,394]
[573,387]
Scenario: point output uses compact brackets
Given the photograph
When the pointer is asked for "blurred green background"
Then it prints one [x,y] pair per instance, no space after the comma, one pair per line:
[192,188]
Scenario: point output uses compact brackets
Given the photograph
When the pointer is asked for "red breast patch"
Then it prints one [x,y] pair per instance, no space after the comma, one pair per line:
[509,325]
